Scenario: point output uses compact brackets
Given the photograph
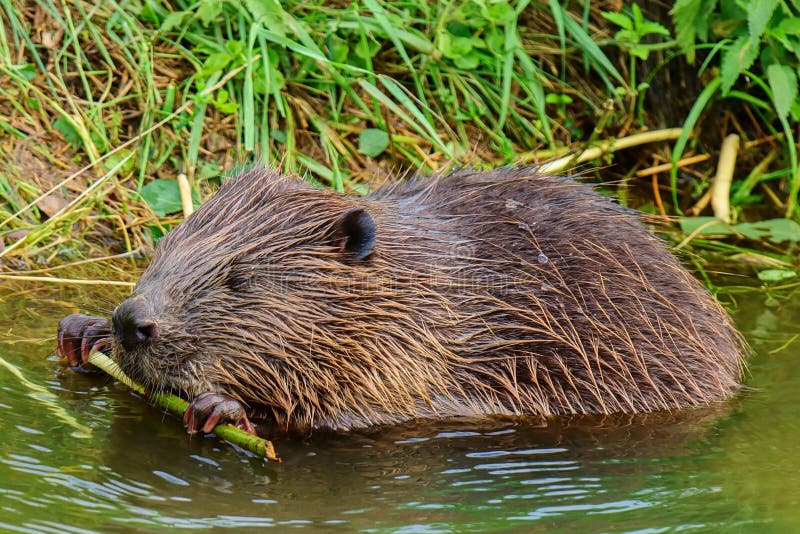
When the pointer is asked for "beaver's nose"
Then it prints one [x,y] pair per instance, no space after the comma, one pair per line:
[133,325]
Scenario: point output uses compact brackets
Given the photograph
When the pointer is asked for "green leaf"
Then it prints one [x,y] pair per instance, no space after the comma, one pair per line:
[640,51]
[758,14]
[453,46]
[776,230]
[372,142]
[627,36]
[637,15]
[227,108]
[704,226]
[270,13]
[26,70]
[684,16]
[691,19]
[558,98]
[469,61]
[619,19]
[776,275]
[157,232]
[115,159]
[736,59]
[366,48]
[173,20]
[215,63]
[150,12]
[163,196]
[65,127]
[790,26]
[208,10]
[501,13]
[646,28]
[206,170]
[278,135]
[783,83]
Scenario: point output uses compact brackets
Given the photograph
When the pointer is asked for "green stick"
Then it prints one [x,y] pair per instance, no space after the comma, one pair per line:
[178,406]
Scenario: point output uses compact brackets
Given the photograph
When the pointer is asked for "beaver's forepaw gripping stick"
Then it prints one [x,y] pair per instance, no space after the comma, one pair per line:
[78,336]
[209,409]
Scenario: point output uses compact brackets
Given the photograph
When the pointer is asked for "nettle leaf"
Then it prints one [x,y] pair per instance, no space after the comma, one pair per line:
[691,19]
[619,19]
[646,28]
[783,83]
[758,14]
[776,275]
[372,142]
[736,59]
[163,196]
[684,15]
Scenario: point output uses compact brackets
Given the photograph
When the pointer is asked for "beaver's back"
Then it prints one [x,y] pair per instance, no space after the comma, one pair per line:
[564,302]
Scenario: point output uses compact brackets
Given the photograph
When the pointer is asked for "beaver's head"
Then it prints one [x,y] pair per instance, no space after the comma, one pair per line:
[243,296]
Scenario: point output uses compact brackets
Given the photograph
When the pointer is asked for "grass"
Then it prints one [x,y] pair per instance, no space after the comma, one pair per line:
[102,105]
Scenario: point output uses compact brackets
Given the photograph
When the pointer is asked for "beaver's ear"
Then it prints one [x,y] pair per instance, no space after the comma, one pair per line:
[354,233]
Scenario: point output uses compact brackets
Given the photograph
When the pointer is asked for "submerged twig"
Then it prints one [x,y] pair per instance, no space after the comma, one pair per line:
[177,405]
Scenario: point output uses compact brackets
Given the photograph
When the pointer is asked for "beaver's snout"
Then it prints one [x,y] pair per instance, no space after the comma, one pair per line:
[134,326]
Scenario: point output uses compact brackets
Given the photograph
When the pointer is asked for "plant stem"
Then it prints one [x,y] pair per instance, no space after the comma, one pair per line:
[177,405]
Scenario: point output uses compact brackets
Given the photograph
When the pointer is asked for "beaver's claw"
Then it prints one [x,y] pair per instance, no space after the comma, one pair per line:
[209,409]
[78,335]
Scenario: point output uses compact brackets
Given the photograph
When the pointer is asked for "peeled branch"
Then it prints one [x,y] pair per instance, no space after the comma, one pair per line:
[721,187]
[177,406]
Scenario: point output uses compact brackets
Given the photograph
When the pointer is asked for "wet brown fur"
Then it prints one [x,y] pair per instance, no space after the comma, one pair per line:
[499,292]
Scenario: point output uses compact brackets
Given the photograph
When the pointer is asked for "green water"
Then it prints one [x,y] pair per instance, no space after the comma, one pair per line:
[732,468]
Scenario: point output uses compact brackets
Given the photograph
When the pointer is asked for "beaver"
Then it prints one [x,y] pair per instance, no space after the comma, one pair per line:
[473,293]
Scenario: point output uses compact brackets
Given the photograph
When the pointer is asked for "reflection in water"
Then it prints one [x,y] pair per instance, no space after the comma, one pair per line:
[731,467]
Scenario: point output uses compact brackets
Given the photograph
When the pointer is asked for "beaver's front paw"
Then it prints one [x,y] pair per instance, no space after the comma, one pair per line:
[78,335]
[209,409]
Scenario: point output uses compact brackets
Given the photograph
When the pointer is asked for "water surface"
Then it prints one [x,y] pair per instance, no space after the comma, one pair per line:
[120,465]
